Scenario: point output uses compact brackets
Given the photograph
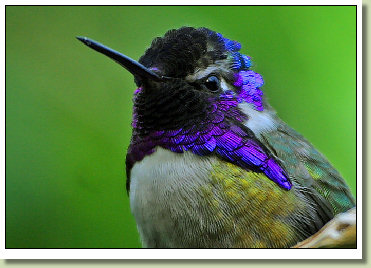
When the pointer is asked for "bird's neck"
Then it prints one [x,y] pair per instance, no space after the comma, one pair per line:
[174,134]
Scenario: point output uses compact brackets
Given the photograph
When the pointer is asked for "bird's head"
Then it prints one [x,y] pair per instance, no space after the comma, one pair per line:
[184,74]
[193,89]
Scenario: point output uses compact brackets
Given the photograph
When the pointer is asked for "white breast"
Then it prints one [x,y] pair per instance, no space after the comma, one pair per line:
[164,190]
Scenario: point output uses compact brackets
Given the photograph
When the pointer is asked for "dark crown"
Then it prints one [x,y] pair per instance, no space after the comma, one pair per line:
[180,50]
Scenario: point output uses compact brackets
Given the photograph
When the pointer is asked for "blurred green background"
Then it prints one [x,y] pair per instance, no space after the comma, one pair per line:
[68,108]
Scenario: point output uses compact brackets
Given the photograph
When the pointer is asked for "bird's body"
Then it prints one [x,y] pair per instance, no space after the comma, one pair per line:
[198,201]
[210,164]
[212,204]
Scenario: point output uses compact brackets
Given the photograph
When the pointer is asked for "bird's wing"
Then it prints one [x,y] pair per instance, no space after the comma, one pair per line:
[310,170]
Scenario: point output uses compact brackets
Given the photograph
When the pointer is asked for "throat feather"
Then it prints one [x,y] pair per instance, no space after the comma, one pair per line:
[222,133]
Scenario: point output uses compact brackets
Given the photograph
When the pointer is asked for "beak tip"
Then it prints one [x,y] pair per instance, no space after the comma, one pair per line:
[83,39]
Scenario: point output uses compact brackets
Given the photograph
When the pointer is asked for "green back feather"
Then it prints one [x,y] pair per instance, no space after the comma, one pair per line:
[311,170]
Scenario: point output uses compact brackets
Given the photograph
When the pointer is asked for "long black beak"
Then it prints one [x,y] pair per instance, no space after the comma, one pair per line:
[129,64]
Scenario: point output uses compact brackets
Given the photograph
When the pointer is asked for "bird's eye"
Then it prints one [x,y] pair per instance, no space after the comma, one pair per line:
[212,83]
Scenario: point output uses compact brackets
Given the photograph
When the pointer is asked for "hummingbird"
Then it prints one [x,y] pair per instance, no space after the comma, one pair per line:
[210,164]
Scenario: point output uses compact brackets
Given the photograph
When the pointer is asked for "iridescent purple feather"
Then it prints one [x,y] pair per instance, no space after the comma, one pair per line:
[247,81]
[223,135]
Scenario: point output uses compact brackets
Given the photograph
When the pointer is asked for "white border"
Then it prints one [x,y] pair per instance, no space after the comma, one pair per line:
[183,254]
[186,2]
[2,133]
[192,253]
[359,128]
